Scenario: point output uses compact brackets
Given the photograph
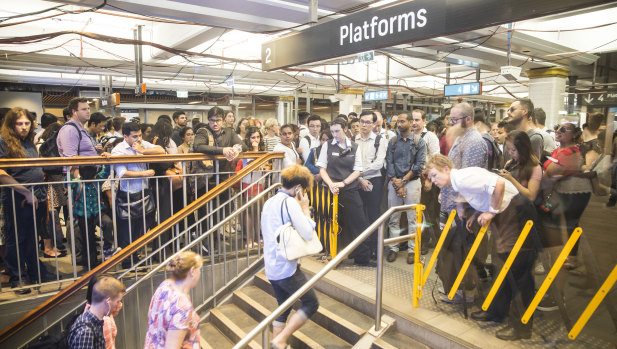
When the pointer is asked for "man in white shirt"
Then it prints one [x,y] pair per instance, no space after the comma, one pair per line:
[430,194]
[497,202]
[133,188]
[311,140]
[372,149]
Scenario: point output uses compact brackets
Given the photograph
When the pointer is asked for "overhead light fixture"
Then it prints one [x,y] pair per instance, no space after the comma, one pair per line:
[194,102]
[381,3]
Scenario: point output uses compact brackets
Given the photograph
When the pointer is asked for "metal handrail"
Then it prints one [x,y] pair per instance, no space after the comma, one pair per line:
[379,223]
[61,296]
[123,159]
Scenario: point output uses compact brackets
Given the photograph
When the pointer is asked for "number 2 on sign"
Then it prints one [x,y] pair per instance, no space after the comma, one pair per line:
[268,53]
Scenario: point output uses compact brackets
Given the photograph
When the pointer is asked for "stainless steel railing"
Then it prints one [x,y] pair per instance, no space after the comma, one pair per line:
[131,325]
[379,223]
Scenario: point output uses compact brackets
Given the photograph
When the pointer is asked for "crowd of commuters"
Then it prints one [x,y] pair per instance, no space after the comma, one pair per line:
[502,173]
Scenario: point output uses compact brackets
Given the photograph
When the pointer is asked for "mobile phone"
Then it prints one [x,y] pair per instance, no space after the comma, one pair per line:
[299,191]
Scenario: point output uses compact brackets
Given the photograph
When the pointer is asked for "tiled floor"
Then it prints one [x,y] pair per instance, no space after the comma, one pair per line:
[548,330]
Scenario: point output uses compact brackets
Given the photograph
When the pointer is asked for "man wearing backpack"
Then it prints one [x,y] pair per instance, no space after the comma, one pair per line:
[372,149]
[87,330]
[405,160]
[311,140]
[72,140]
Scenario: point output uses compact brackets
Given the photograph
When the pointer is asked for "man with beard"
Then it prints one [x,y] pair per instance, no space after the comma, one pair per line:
[468,150]
[179,118]
[405,160]
[24,206]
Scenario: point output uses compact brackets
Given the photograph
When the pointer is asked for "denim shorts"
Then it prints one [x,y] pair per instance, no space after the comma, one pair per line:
[284,288]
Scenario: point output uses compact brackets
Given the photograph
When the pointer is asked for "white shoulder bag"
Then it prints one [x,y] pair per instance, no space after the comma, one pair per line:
[291,244]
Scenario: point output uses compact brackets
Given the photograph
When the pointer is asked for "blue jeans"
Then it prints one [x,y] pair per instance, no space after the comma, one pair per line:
[284,288]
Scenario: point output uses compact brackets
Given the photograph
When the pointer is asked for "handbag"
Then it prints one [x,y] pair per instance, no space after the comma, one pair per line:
[600,175]
[175,176]
[291,244]
[135,204]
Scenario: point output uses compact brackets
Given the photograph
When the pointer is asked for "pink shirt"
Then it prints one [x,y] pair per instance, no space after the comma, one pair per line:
[171,309]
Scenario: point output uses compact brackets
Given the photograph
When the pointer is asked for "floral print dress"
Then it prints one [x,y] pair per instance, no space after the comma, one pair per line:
[170,309]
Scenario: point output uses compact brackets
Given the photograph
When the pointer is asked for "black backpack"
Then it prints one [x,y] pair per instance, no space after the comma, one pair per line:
[57,340]
[495,155]
[49,149]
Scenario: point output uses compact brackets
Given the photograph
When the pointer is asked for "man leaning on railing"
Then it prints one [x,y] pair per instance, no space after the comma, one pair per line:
[134,203]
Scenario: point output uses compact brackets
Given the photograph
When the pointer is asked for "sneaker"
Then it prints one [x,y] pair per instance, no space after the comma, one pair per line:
[547,304]
[108,253]
[391,256]
[457,299]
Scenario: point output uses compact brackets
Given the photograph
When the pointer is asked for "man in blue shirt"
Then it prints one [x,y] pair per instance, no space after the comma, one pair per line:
[405,160]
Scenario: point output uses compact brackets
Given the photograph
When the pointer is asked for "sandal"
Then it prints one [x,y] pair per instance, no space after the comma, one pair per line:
[570,263]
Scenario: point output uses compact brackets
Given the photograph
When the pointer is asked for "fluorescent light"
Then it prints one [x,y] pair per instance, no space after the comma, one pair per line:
[195,102]
[381,3]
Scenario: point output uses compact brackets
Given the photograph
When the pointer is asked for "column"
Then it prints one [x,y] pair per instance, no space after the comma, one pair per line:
[546,90]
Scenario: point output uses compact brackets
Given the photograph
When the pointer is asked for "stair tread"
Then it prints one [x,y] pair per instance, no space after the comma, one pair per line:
[238,317]
[211,335]
[399,340]
[334,306]
[310,330]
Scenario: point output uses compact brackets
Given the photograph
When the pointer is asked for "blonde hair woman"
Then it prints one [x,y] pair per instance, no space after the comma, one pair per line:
[172,320]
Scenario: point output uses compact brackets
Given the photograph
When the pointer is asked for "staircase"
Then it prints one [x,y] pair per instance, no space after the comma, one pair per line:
[335,325]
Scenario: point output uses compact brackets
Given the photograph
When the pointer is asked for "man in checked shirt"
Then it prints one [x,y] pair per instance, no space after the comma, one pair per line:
[87,330]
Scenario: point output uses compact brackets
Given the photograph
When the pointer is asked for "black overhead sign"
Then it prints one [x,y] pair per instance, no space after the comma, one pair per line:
[605,99]
[401,23]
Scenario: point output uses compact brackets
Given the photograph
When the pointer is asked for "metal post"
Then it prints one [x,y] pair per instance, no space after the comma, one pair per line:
[379,286]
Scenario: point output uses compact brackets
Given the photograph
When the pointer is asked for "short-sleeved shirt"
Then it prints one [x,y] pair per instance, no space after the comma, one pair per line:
[373,158]
[171,309]
[25,174]
[133,185]
[476,186]
[307,145]
[322,160]
[68,141]
[291,155]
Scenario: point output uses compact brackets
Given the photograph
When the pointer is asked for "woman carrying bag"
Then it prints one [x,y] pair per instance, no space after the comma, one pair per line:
[289,205]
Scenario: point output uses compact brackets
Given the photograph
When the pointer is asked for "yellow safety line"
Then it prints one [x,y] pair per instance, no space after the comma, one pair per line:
[334,233]
[504,270]
[551,274]
[417,277]
[593,305]
[442,239]
[470,255]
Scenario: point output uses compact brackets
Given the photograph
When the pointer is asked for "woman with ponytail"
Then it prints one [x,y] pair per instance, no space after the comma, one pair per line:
[172,320]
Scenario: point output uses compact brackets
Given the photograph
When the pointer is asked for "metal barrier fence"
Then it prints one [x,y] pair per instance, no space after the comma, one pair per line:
[89,230]
[221,237]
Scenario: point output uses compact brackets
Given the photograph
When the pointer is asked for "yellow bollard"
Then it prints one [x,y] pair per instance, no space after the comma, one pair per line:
[442,239]
[334,232]
[468,259]
[417,277]
[551,274]
[593,305]
[504,270]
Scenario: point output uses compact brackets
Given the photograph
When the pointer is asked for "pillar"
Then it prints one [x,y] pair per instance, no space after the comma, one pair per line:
[546,90]
[350,100]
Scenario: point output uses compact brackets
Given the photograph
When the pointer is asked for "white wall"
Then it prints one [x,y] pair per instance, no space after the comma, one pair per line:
[33,101]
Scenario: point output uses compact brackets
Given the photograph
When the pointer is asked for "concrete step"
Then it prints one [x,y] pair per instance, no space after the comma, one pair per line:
[212,338]
[336,317]
[259,304]
[397,340]
[234,323]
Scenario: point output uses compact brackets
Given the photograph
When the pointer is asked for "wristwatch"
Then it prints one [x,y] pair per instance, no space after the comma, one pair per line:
[404,181]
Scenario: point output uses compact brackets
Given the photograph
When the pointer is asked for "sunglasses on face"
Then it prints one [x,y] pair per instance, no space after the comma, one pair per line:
[563,129]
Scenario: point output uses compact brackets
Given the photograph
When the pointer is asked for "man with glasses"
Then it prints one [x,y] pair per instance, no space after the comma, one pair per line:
[214,139]
[468,150]
[521,116]
[372,149]
[311,140]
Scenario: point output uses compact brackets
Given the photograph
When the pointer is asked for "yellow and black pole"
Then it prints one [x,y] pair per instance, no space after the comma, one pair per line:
[418,267]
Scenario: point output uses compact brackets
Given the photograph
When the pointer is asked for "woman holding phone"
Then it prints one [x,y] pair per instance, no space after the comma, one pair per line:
[290,204]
